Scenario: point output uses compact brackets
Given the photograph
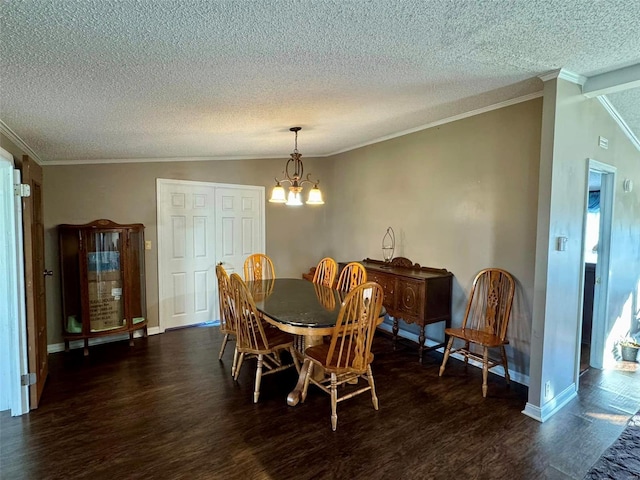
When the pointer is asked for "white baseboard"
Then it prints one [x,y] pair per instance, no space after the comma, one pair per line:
[517,377]
[408,335]
[532,411]
[552,407]
[59,347]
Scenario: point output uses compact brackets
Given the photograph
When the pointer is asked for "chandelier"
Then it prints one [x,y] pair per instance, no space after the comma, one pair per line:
[293,174]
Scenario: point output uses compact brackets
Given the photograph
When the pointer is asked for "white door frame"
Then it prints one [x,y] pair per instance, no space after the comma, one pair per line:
[162,182]
[601,294]
[13,334]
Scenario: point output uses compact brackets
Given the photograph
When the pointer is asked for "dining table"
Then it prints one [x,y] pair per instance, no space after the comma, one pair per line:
[305,309]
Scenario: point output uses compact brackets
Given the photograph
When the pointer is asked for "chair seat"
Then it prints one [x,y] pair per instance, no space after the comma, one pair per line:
[318,354]
[276,338]
[476,336]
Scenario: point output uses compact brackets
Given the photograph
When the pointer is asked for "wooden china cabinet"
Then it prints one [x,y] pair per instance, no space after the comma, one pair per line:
[103,280]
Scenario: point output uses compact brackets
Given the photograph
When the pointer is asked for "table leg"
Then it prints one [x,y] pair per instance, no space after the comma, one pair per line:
[294,396]
[318,373]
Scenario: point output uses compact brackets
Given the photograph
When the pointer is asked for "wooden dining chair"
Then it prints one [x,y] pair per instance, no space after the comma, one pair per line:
[254,337]
[352,275]
[485,322]
[262,289]
[325,273]
[258,266]
[347,357]
[227,313]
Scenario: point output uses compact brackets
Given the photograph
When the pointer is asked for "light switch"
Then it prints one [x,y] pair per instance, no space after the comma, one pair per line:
[147,244]
[603,142]
[561,244]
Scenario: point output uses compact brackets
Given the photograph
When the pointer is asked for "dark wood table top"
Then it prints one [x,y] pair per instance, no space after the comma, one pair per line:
[298,306]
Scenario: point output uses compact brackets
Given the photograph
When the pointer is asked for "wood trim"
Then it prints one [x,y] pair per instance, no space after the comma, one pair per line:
[34,284]
[296,330]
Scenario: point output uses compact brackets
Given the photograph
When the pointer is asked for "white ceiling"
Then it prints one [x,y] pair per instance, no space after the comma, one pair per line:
[138,79]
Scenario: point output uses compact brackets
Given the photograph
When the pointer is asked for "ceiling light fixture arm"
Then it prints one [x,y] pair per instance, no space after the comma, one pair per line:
[294,175]
[296,178]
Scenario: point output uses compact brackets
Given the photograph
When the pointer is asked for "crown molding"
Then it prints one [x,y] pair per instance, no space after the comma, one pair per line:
[564,74]
[102,161]
[619,120]
[572,77]
[454,118]
[13,136]
[553,74]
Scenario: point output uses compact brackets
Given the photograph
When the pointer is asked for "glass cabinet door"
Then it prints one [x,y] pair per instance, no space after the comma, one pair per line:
[136,287]
[71,291]
[104,279]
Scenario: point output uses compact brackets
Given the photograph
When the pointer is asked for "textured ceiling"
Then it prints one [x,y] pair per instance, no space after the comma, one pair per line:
[126,79]
[627,103]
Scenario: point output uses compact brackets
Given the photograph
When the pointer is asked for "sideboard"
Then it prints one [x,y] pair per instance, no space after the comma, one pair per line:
[412,293]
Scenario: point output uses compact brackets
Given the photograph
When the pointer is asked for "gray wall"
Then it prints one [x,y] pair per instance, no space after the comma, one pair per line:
[461,196]
[571,126]
[126,193]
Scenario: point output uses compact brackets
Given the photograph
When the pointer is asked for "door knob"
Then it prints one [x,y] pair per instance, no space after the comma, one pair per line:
[47,273]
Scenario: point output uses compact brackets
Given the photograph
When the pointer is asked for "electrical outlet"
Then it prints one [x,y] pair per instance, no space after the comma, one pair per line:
[147,244]
[547,389]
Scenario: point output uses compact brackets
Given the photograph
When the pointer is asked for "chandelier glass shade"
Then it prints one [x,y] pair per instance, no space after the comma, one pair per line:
[294,176]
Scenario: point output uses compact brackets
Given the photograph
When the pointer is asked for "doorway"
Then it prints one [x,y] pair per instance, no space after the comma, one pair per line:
[201,224]
[596,244]
[14,396]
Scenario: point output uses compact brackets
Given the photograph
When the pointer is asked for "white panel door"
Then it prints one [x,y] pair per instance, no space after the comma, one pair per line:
[186,254]
[199,225]
[239,226]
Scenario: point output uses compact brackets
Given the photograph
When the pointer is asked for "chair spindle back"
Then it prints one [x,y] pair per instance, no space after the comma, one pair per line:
[250,331]
[350,346]
[489,307]
[258,266]
[352,275]
[227,315]
[326,272]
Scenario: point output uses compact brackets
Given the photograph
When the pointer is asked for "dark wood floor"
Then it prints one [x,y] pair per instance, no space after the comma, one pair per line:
[167,409]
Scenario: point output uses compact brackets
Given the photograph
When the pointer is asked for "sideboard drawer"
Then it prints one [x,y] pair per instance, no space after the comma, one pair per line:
[388,284]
